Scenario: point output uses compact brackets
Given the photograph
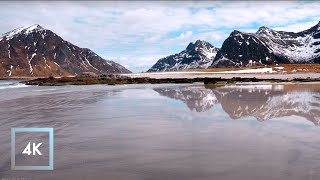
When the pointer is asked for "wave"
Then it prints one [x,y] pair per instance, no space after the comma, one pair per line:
[9,85]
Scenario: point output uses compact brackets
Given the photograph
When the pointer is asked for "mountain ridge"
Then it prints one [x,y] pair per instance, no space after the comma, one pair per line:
[268,47]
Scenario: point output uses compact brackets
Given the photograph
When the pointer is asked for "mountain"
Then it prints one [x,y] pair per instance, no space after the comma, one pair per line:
[38,52]
[197,55]
[267,47]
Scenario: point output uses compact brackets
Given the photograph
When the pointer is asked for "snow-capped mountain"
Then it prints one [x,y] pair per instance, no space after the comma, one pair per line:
[267,46]
[197,55]
[37,52]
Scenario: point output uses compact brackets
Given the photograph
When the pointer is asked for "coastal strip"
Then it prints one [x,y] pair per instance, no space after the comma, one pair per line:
[152,78]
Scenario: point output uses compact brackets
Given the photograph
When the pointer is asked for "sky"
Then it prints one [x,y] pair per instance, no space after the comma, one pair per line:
[138,33]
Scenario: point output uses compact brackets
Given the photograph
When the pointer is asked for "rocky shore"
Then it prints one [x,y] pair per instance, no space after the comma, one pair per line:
[113,79]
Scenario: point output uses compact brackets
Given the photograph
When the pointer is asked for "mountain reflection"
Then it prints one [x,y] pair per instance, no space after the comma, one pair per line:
[260,101]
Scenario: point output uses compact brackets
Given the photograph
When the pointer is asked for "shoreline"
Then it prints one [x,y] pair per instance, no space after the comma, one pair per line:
[192,75]
[178,78]
[19,78]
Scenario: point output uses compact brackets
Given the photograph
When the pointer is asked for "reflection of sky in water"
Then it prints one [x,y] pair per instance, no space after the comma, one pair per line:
[287,144]
[139,132]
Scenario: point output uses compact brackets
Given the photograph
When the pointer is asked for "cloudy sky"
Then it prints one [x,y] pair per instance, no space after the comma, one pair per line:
[136,34]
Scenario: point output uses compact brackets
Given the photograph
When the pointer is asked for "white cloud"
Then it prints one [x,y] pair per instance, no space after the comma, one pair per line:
[137,64]
[296,27]
[185,34]
[140,30]
[182,39]
[153,39]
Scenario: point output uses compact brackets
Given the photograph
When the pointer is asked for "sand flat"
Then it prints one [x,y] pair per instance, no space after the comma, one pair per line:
[190,75]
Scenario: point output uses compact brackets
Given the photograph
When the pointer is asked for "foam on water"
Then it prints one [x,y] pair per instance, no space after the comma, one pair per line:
[11,84]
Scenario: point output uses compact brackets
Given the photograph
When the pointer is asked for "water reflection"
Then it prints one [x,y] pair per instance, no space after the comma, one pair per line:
[37,107]
[196,98]
[132,132]
[262,102]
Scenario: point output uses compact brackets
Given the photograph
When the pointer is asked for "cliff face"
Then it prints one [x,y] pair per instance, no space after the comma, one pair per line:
[38,52]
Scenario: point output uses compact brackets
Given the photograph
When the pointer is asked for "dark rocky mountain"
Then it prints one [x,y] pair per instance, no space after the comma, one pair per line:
[267,47]
[197,55]
[263,102]
[38,52]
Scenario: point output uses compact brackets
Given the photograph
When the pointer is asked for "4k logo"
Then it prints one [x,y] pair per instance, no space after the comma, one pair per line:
[33,149]
[36,151]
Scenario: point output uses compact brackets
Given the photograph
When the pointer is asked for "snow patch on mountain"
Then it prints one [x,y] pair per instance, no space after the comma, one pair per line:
[10,70]
[22,30]
[297,47]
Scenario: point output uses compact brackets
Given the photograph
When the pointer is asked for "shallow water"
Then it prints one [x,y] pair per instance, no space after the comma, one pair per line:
[168,131]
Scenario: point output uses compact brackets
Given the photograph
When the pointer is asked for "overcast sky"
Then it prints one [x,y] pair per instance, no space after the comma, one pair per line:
[137,34]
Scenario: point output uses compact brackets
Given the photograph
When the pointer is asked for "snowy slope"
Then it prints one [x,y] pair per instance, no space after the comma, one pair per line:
[297,47]
[268,46]
[21,30]
[197,55]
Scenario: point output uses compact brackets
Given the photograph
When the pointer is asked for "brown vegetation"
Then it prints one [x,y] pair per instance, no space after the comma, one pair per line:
[288,68]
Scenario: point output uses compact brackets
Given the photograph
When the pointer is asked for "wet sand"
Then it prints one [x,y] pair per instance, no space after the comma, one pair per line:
[191,75]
